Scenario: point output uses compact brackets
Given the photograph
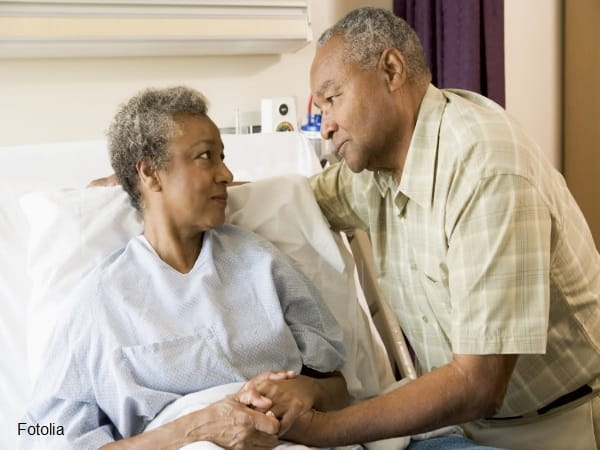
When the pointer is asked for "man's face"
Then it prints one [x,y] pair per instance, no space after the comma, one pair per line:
[353,103]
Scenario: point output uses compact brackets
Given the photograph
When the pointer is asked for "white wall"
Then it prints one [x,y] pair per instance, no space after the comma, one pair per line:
[69,99]
[532,40]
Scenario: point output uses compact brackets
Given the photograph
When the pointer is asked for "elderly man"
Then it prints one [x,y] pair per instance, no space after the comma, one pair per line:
[479,247]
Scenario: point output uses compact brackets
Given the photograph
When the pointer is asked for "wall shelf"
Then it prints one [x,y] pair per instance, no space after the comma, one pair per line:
[85,28]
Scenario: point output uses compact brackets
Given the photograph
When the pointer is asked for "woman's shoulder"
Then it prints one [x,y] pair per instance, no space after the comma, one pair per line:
[106,271]
[235,233]
[243,241]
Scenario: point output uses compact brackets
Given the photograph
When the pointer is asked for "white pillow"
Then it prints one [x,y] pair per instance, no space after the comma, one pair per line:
[71,230]
[14,384]
[23,169]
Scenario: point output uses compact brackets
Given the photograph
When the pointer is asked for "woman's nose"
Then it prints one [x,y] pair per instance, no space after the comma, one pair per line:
[224,175]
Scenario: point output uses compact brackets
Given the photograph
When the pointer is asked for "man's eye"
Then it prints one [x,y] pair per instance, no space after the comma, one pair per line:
[204,155]
[332,98]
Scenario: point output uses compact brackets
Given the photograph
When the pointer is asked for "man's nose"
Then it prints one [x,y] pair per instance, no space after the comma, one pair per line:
[328,127]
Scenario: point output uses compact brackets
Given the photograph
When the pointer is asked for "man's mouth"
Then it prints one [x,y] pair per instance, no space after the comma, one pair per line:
[339,150]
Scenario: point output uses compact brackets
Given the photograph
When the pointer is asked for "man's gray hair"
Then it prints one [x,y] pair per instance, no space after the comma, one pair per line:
[143,128]
[368,31]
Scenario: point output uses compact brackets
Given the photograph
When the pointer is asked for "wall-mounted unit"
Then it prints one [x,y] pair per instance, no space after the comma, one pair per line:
[86,28]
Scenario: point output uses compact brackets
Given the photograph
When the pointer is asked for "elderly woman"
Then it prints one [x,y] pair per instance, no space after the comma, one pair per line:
[190,304]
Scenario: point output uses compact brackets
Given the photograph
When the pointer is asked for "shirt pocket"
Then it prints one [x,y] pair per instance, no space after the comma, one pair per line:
[437,293]
[180,365]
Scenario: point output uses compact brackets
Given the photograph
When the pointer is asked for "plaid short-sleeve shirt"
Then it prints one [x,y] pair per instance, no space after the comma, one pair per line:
[480,248]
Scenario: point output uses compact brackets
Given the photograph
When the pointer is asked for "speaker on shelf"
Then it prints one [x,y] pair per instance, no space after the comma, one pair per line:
[278,114]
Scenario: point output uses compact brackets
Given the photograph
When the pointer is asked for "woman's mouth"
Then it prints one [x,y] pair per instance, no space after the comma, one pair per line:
[222,199]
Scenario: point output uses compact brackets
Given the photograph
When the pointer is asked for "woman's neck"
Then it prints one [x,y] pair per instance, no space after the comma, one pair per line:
[178,248]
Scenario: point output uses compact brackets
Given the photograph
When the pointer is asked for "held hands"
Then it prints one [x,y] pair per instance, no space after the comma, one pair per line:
[285,395]
[251,395]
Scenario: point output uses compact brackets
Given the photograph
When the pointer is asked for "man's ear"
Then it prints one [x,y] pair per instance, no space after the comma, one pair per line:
[148,175]
[393,66]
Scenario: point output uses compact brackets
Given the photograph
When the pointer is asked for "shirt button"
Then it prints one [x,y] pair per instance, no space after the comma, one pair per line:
[425,319]
[413,266]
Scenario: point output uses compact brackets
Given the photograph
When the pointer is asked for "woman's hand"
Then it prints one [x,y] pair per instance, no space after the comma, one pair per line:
[232,425]
[227,423]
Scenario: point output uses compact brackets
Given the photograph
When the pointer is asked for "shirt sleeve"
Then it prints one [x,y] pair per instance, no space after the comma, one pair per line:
[63,398]
[499,265]
[338,192]
[71,424]
[316,331]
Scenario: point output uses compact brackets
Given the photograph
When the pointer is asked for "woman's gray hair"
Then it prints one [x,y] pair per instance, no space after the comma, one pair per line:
[143,128]
[368,31]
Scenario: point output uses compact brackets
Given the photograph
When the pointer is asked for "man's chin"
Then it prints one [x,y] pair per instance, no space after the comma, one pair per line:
[355,166]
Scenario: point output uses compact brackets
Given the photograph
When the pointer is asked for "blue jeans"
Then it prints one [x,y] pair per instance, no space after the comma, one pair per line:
[451,442]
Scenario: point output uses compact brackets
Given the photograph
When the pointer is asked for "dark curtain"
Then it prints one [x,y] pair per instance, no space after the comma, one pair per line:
[463,42]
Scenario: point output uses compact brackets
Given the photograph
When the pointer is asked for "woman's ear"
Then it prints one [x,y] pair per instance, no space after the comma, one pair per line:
[148,175]
[393,66]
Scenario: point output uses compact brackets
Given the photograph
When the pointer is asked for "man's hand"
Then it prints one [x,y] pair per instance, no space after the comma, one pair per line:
[250,395]
[284,395]
[110,180]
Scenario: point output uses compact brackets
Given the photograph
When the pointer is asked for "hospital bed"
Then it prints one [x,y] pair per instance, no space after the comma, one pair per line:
[53,230]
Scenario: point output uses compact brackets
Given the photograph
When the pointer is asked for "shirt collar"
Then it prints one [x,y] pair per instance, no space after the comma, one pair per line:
[418,174]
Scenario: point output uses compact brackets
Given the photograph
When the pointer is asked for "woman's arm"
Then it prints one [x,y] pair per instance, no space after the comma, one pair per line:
[226,423]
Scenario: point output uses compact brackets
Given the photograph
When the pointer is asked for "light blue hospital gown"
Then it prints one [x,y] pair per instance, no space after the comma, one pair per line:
[141,335]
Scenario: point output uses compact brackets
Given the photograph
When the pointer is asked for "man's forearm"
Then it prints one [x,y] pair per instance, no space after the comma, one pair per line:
[446,396]
[332,393]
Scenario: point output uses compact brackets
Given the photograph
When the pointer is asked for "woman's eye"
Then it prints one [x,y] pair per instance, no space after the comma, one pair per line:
[204,155]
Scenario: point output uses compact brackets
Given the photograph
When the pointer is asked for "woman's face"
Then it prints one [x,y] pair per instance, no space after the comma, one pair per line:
[194,181]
